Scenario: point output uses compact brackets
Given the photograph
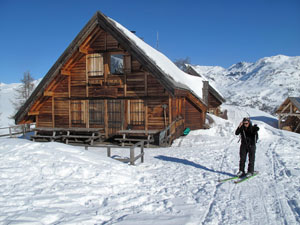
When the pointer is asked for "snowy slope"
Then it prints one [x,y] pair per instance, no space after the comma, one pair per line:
[264,84]
[51,183]
[6,107]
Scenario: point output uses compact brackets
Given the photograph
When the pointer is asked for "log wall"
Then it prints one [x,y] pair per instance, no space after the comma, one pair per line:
[193,119]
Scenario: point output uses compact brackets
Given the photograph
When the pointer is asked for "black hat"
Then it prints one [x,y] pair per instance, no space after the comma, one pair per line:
[246,119]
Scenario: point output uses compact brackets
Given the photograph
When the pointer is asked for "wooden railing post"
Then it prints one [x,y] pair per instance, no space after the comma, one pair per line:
[108,151]
[132,155]
[142,152]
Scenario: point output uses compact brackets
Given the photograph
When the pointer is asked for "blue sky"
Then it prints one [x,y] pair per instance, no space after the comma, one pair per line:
[211,32]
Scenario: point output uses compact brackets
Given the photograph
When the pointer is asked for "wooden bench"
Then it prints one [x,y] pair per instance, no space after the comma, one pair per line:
[88,135]
[130,140]
[129,136]
[47,134]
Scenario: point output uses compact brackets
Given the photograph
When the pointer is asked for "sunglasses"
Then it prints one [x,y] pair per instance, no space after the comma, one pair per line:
[246,123]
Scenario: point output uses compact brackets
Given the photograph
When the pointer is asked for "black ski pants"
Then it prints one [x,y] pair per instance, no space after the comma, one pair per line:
[250,150]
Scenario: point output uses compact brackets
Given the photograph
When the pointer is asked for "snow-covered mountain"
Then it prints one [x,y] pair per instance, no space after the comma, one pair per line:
[263,84]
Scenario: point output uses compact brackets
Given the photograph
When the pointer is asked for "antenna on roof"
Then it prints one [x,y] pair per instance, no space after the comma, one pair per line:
[157,41]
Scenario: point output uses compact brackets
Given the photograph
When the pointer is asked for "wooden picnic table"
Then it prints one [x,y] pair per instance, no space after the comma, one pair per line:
[127,136]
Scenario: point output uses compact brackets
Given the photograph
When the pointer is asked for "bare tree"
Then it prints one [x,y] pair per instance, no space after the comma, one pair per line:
[23,91]
[181,63]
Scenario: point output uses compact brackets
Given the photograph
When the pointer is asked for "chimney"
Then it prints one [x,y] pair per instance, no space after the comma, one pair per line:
[205,92]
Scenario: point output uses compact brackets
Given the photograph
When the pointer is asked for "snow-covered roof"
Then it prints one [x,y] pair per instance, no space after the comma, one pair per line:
[176,75]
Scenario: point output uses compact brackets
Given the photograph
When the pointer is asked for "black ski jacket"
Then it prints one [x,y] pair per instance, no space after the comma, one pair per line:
[248,135]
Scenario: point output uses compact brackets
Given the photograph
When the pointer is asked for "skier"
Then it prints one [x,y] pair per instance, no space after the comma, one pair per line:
[248,146]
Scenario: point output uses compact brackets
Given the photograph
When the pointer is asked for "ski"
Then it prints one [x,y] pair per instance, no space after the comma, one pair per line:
[227,179]
[245,178]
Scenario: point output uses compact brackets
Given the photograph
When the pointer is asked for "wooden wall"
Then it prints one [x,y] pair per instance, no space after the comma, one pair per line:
[193,119]
[45,114]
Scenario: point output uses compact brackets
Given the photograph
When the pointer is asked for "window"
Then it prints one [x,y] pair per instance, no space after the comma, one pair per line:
[137,112]
[77,112]
[116,64]
[94,64]
[96,109]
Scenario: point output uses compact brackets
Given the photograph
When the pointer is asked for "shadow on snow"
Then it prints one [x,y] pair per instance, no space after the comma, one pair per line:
[190,163]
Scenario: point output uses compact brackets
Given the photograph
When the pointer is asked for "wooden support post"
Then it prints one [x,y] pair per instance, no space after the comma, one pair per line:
[146,116]
[106,118]
[108,151]
[288,105]
[53,116]
[164,106]
[142,153]
[125,85]
[37,121]
[132,155]
[128,112]
[70,116]
[87,114]
[69,101]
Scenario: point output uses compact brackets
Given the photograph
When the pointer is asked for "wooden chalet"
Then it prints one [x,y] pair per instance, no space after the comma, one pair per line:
[214,98]
[110,79]
[289,114]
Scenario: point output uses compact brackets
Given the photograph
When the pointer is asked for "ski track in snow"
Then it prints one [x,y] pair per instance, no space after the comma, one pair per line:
[51,183]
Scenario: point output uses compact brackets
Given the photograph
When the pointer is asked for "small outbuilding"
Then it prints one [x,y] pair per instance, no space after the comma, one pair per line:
[214,98]
[289,114]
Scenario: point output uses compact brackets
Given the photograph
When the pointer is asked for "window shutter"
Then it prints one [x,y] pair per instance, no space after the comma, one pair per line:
[95,64]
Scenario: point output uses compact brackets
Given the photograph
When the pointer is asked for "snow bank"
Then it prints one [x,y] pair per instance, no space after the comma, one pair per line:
[52,183]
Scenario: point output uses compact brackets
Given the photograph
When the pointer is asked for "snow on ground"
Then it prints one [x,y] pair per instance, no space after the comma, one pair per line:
[52,183]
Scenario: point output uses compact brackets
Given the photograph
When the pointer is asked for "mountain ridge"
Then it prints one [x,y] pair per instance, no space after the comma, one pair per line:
[264,84]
